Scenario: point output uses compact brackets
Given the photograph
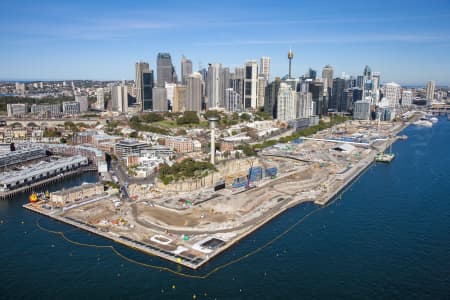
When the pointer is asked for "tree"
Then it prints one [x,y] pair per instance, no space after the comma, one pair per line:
[245,117]
[134,134]
[189,117]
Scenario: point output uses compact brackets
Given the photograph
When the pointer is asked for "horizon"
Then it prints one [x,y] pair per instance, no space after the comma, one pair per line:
[405,41]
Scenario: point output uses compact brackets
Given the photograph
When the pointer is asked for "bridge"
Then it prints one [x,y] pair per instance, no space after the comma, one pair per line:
[50,122]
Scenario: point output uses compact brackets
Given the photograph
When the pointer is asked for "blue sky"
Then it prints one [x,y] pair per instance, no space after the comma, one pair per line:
[407,41]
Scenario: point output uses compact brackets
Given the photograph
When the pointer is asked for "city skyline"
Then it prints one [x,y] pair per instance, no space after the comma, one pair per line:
[405,41]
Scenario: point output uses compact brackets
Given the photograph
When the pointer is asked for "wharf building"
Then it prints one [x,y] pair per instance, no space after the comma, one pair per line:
[182,145]
[21,156]
[40,171]
[77,193]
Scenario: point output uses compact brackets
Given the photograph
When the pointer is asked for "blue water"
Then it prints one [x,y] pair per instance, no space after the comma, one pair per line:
[387,238]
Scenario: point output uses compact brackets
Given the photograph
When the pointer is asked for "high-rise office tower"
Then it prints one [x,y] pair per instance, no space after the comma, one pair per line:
[214,93]
[290,57]
[392,94]
[237,80]
[224,83]
[265,67]
[368,85]
[318,97]
[179,98]
[165,70]
[262,82]
[186,69]
[140,69]
[160,99]
[304,105]
[100,104]
[376,86]
[407,97]
[147,85]
[311,74]
[119,98]
[271,97]
[194,92]
[430,90]
[251,84]
[327,76]
[287,103]
[232,100]
[337,100]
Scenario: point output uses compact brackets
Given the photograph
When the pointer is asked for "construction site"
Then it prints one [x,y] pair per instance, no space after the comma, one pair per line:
[190,222]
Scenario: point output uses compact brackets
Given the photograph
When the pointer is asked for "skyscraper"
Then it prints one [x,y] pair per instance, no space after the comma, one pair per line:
[251,84]
[337,100]
[376,86]
[265,67]
[165,70]
[179,98]
[140,69]
[287,103]
[186,69]
[430,90]
[194,92]
[304,105]
[224,83]
[327,76]
[392,94]
[147,90]
[119,98]
[232,100]
[271,97]
[100,104]
[407,97]
[214,93]
[368,85]
[262,82]
[160,99]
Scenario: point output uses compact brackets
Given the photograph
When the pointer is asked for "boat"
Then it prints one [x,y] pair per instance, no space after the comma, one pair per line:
[402,137]
[33,198]
[433,119]
[423,123]
[384,157]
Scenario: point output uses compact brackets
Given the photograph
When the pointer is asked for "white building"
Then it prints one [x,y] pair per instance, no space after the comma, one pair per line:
[251,85]
[100,104]
[265,67]
[430,90]
[119,98]
[84,103]
[71,108]
[213,92]
[287,103]
[233,101]
[16,109]
[361,110]
[304,105]
[407,97]
[392,94]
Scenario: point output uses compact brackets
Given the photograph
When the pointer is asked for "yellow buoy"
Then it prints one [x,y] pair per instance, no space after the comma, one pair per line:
[179,260]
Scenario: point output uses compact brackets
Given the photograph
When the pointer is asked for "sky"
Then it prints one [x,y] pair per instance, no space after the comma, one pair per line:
[406,41]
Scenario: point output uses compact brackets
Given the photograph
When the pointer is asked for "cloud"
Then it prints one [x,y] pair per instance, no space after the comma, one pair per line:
[368,38]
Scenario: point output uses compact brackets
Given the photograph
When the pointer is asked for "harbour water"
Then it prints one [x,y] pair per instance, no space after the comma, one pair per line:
[387,236]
